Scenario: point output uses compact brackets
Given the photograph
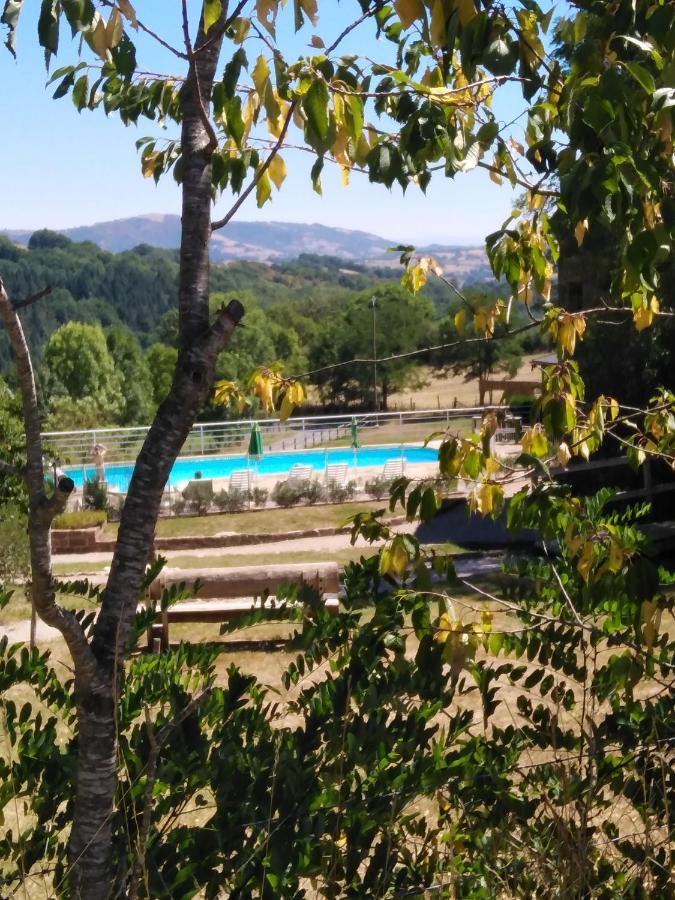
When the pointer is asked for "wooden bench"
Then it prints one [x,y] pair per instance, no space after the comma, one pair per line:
[226,594]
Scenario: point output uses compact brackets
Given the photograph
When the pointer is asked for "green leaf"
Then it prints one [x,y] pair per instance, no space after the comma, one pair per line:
[642,76]
[48,27]
[315,105]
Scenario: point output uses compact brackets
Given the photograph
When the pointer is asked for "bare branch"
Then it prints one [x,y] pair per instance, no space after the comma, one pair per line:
[28,301]
[160,40]
[220,223]
[411,353]
[366,15]
[533,188]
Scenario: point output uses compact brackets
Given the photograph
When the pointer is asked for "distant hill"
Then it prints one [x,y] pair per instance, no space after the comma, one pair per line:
[268,242]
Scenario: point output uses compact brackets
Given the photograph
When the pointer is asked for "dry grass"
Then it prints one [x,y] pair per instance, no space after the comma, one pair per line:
[440,392]
[262,521]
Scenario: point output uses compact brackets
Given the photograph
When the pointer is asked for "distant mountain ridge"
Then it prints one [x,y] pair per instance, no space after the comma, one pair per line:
[266,242]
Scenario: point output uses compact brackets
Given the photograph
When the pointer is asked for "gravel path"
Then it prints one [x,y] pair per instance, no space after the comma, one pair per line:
[327,543]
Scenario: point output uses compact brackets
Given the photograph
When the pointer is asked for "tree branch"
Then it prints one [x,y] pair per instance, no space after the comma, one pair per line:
[220,223]
[28,301]
[42,509]
[150,33]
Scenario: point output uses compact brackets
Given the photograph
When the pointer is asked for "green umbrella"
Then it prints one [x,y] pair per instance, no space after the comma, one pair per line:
[355,435]
[255,444]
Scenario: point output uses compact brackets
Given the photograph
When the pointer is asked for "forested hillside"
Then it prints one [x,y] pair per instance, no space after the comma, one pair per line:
[104,339]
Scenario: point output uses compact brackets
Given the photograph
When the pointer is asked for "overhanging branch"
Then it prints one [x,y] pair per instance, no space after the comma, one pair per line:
[221,223]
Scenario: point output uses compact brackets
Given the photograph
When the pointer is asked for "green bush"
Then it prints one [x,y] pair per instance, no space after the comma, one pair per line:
[340,493]
[14,549]
[287,494]
[378,487]
[231,501]
[259,496]
[95,494]
[199,495]
[85,518]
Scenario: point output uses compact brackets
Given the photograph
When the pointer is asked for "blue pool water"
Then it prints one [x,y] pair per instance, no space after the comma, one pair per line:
[118,475]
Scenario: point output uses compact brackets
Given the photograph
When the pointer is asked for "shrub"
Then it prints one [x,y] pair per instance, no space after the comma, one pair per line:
[14,549]
[287,494]
[378,487]
[95,494]
[313,492]
[86,518]
[340,493]
[259,496]
[231,501]
[199,496]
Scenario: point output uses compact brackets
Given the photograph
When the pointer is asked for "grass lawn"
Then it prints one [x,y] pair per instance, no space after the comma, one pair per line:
[229,560]
[260,521]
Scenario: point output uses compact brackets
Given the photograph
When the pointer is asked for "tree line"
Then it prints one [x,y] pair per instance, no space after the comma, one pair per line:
[106,338]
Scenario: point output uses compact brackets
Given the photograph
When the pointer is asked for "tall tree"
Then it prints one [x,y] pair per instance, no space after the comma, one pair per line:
[607,89]
[388,324]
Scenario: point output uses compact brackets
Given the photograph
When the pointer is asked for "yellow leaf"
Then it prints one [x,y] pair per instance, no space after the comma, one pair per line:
[345,173]
[266,11]
[114,29]
[263,190]
[580,232]
[128,12]
[651,616]
[260,74]
[643,315]
[460,321]
[492,465]
[99,39]
[414,278]
[213,9]
[586,561]
[223,392]
[615,557]
[409,11]
[613,408]
[287,407]
[341,841]
[399,559]
[563,454]
[277,171]
[240,29]
[496,177]
[148,164]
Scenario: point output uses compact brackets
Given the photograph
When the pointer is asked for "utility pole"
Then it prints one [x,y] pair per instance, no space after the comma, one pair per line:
[373,305]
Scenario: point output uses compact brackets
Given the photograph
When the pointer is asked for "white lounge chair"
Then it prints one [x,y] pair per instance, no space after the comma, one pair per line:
[393,468]
[241,480]
[300,473]
[336,474]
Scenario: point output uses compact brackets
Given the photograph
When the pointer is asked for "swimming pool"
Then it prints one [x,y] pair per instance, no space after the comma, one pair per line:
[118,475]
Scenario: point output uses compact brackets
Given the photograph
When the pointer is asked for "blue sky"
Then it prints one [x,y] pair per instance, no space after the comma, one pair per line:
[62,169]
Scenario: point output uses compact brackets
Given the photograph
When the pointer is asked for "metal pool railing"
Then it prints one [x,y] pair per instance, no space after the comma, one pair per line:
[301,433]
